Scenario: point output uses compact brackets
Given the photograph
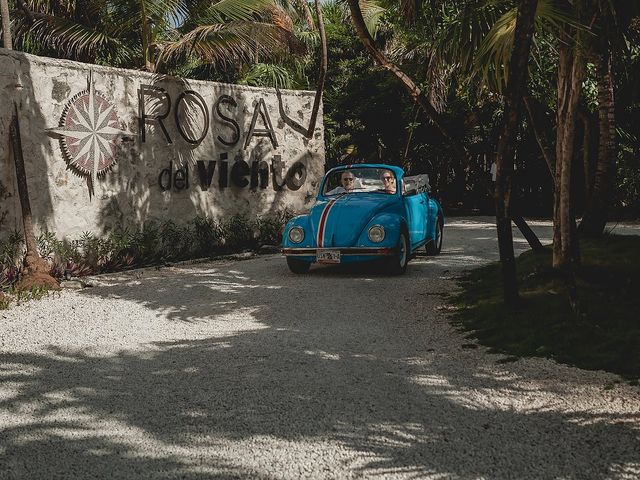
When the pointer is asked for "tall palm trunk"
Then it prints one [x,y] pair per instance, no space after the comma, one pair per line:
[595,215]
[586,153]
[36,270]
[322,74]
[6,24]
[323,71]
[571,71]
[506,145]
[146,35]
[21,178]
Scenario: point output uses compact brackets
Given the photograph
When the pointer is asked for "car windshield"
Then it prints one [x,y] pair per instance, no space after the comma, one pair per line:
[360,180]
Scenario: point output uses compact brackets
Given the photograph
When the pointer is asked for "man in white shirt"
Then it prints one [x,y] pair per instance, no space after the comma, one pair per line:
[348,181]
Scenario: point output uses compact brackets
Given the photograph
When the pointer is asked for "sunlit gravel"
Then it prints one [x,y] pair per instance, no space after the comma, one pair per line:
[240,369]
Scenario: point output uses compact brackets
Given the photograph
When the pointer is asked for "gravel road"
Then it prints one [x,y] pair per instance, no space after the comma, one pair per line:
[239,369]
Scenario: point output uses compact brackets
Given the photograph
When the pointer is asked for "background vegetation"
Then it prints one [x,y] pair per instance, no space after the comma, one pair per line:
[449,48]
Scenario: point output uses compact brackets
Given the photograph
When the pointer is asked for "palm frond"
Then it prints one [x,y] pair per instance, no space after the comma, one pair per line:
[247,29]
[464,29]
[268,75]
[71,38]
[162,11]
[372,13]
[234,10]
[491,62]
[245,41]
[308,38]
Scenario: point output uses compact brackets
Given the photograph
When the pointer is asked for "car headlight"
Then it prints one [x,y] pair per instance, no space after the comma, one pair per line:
[376,233]
[296,234]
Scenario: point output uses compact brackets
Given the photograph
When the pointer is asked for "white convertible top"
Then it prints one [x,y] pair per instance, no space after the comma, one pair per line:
[418,182]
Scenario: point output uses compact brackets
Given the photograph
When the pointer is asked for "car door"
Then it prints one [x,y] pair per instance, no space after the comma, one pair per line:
[416,206]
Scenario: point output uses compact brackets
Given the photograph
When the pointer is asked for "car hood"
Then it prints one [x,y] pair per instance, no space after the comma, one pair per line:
[339,221]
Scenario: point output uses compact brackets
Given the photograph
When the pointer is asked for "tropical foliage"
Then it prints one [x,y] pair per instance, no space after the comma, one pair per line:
[156,35]
[457,52]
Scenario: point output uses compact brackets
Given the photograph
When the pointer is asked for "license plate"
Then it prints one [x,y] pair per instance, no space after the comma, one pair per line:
[328,256]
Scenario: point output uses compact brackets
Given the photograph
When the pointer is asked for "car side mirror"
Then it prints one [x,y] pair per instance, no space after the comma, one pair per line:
[411,191]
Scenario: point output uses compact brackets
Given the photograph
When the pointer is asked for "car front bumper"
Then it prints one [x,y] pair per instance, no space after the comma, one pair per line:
[344,251]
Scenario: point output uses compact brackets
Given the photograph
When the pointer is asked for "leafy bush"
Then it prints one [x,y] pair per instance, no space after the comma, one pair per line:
[239,232]
[11,250]
[4,302]
[271,227]
[208,235]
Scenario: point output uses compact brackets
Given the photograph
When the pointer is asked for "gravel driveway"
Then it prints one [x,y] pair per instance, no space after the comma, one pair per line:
[239,369]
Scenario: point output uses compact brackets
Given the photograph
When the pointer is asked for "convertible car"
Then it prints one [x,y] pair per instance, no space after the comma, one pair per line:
[365,212]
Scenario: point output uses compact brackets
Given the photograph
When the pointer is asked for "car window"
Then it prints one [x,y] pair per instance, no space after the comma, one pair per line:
[360,181]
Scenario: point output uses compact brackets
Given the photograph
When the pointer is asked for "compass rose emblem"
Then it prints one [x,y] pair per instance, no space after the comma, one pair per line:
[89,134]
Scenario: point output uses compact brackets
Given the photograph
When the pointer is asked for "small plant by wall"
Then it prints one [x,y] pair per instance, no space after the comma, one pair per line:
[10,251]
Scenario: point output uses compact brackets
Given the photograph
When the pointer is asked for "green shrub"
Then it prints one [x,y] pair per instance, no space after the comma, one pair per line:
[4,302]
[208,235]
[11,250]
[239,232]
[271,227]
[155,243]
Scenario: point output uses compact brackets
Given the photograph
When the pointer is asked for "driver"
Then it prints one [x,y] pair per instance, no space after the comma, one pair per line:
[347,183]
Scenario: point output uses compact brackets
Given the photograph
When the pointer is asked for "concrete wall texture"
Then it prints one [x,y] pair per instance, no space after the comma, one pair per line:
[107,148]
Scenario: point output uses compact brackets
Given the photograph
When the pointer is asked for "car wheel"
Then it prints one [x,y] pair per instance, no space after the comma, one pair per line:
[435,245]
[298,266]
[398,263]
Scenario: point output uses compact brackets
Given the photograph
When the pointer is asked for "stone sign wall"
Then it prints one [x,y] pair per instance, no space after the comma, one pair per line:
[108,147]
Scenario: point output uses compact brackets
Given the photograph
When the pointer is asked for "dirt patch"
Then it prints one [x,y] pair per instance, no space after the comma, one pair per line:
[36,275]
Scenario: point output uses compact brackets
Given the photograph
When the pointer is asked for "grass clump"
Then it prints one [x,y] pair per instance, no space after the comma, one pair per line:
[603,335]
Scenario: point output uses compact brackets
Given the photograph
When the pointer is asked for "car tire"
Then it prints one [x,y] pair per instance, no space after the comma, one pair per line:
[397,264]
[298,266]
[434,246]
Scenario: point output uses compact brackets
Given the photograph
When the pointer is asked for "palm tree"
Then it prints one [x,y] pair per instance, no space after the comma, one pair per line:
[488,30]
[571,72]
[149,33]
[609,41]
[565,27]
[36,271]
[516,84]
[6,24]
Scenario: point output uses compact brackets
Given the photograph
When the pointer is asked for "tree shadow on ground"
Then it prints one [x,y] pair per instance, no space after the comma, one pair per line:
[294,373]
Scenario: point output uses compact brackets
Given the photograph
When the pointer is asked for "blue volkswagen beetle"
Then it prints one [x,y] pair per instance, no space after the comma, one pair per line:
[362,213]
